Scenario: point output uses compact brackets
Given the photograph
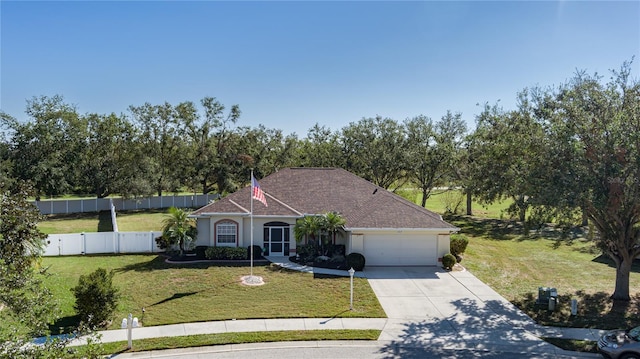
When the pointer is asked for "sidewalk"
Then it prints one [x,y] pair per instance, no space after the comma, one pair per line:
[261,325]
[237,326]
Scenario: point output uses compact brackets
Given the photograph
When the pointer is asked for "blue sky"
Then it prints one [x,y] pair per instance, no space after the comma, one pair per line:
[289,65]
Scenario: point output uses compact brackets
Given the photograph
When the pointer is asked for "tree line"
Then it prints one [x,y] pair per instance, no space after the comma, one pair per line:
[161,148]
[565,154]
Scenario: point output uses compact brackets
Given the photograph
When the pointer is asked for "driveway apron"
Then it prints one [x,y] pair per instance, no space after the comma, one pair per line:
[431,306]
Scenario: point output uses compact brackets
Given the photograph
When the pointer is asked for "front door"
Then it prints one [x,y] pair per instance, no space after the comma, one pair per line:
[277,240]
[276,245]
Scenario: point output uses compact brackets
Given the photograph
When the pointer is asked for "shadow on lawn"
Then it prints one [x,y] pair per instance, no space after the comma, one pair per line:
[104,222]
[507,229]
[595,310]
[64,325]
[173,297]
[486,227]
[604,259]
[158,262]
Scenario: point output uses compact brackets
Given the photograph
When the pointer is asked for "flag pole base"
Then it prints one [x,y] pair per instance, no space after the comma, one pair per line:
[252,280]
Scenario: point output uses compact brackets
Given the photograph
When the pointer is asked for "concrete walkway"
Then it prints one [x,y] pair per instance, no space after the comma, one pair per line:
[424,306]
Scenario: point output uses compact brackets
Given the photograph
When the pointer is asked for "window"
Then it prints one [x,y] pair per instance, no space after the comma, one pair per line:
[226,233]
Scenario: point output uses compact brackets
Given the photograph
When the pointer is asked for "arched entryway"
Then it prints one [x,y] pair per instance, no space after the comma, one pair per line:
[277,237]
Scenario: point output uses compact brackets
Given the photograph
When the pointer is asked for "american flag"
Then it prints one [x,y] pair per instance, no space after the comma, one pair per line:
[256,192]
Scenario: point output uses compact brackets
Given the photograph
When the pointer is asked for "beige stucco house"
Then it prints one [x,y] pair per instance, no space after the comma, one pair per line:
[387,229]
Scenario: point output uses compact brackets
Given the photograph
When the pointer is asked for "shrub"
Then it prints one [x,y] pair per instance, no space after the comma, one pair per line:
[200,251]
[96,298]
[226,253]
[338,249]
[163,243]
[214,253]
[448,261]
[257,252]
[356,261]
[307,252]
[459,243]
[236,253]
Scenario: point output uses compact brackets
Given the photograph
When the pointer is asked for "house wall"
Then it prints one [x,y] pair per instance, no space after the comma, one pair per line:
[444,245]
[258,233]
[206,230]
[356,243]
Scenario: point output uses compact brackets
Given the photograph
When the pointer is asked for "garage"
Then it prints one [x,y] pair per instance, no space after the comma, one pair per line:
[409,249]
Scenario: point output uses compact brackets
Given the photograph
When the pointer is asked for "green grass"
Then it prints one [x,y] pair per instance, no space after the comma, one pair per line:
[202,292]
[439,199]
[237,338]
[76,223]
[141,221]
[128,221]
[584,346]
[515,266]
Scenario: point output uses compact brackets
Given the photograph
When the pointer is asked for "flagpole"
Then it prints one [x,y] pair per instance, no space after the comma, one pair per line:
[251,215]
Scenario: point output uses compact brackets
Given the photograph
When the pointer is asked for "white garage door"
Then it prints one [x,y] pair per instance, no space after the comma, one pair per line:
[400,249]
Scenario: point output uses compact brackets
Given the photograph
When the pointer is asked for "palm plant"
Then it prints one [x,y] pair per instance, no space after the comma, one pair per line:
[307,227]
[334,224]
[179,228]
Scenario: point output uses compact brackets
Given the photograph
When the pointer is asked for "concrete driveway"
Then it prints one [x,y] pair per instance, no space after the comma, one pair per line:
[430,306]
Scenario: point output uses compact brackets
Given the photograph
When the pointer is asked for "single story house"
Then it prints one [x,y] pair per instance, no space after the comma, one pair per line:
[387,229]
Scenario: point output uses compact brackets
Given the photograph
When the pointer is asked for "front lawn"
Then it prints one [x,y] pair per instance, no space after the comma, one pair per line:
[172,293]
[515,266]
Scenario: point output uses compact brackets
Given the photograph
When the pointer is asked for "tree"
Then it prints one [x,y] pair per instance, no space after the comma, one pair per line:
[591,160]
[96,298]
[213,149]
[179,228]
[112,162]
[44,150]
[374,148]
[27,307]
[432,150]
[262,150]
[503,152]
[6,164]
[162,138]
[21,242]
[321,148]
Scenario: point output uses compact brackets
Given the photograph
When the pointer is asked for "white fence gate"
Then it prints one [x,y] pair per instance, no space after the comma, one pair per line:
[101,242]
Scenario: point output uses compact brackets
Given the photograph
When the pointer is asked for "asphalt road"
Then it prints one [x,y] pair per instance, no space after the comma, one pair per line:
[368,350]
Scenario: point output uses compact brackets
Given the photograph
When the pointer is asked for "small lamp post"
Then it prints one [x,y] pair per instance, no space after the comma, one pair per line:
[351,273]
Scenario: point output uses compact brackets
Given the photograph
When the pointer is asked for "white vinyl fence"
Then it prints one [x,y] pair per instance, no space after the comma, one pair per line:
[102,242]
[57,206]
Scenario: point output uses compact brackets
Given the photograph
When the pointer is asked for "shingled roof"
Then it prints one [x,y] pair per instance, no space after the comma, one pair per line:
[299,191]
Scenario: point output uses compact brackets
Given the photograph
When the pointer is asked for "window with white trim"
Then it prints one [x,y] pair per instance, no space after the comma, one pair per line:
[226,233]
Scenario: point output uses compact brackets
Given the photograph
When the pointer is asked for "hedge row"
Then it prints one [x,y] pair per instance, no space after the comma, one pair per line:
[231,253]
